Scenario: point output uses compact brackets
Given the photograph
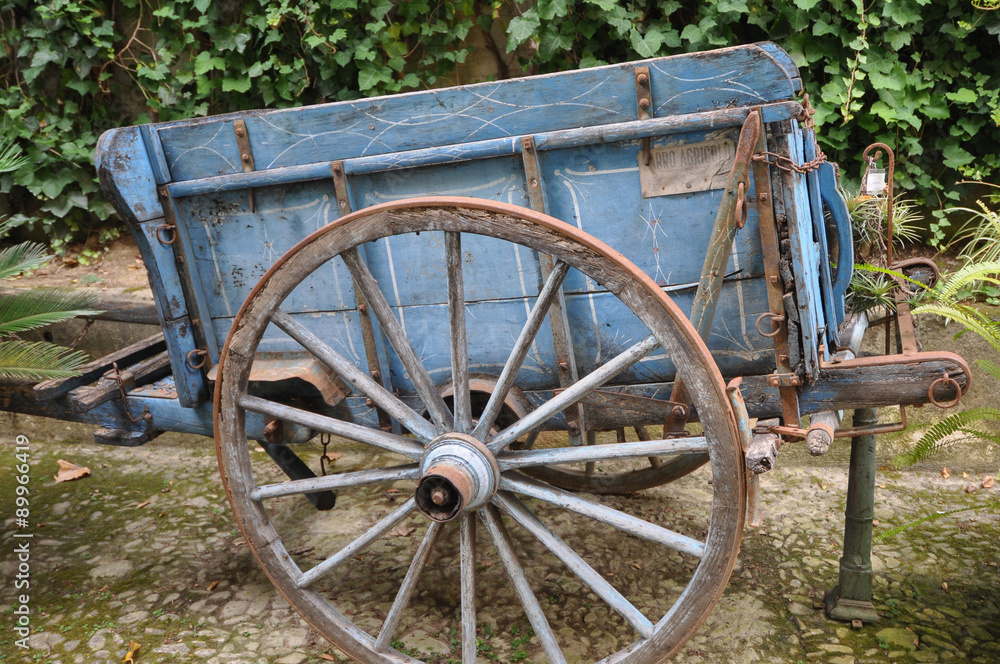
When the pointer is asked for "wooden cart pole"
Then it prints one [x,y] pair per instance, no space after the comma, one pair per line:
[851,599]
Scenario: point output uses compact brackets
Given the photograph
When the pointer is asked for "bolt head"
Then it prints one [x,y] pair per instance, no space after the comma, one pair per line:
[644,103]
[678,411]
[642,78]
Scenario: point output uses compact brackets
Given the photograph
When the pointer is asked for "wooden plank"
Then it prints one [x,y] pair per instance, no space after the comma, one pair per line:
[106,389]
[141,350]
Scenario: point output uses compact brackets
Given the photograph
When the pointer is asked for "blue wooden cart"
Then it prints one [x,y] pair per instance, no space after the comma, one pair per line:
[451,278]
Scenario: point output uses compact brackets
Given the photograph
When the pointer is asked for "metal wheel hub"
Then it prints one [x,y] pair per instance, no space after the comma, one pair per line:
[457,474]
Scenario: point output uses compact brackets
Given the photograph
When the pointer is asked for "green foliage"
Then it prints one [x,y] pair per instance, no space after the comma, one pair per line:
[869,223]
[918,75]
[892,532]
[78,67]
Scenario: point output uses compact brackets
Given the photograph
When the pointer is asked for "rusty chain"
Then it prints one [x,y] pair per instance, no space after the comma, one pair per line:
[325,439]
[117,375]
[786,164]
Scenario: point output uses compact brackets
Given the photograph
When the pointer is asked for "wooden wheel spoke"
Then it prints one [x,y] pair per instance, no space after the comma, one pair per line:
[608,515]
[467,555]
[358,545]
[356,432]
[408,586]
[337,481]
[574,393]
[550,290]
[519,459]
[456,323]
[505,550]
[520,513]
[360,381]
[393,330]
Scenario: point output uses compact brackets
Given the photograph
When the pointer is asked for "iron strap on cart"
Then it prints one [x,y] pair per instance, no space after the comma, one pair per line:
[488,289]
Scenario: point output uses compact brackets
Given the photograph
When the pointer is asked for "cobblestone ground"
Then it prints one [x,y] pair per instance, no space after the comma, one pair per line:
[145,550]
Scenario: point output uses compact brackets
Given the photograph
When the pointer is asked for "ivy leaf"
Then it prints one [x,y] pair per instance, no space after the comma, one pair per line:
[955,156]
[202,5]
[236,84]
[962,96]
[550,9]
[805,5]
[371,76]
[607,5]
[647,45]
[521,28]
[691,33]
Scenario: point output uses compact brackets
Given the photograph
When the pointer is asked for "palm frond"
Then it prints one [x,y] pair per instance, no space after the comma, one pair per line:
[892,532]
[11,158]
[38,360]
[22,258]
[931,440]
[966,316]
[29,310]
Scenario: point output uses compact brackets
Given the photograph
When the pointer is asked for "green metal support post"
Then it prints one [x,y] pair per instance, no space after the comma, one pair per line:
[851,599]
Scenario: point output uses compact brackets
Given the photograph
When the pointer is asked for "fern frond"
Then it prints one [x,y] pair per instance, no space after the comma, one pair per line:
[892,532]
[966,316]
[29,310]
[967,275]
[11,158]
[989,367]
[38,360]
[976,433]
[931,440]
[22,258]
[895,274]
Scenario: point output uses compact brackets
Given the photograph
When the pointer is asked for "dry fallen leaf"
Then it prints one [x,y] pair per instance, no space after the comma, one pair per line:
[988,482]
[70,471]
[333,456]
[132,647]
[965,475]
[636,565]
[402,531]
[329,658]
[393,491]
[142,504]
[971,488]
[944,586]
[212,586]
[875,522]
[945,473]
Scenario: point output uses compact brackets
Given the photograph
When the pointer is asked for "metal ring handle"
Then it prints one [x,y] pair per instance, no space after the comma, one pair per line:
[198,352]
[173,233]
[945,379]
[776,320]
[741,207]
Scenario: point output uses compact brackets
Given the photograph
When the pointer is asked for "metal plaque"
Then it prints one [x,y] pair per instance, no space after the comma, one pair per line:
[687,168]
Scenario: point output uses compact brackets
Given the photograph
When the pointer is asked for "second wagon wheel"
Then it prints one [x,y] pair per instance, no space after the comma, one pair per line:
[439,548]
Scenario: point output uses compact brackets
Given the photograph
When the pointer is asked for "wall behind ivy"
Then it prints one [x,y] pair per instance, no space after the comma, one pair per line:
[920,75]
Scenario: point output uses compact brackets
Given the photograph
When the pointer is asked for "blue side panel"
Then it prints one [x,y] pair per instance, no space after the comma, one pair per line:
[738,76]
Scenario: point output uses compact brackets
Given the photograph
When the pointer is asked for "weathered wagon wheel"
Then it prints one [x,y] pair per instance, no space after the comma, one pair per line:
[455,472]
[643,474]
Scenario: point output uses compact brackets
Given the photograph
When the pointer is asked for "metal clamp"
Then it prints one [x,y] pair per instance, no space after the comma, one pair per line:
[944,380]
[776,321]
[197,352]
[166,227]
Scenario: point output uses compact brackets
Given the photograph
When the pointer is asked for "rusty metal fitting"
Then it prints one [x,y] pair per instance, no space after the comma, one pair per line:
[199,353]
[458,473]
[776,321]
[642,79]
[573,428]
[376,376]
[741,205]
[166,227]
[945,380]
[678,412]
